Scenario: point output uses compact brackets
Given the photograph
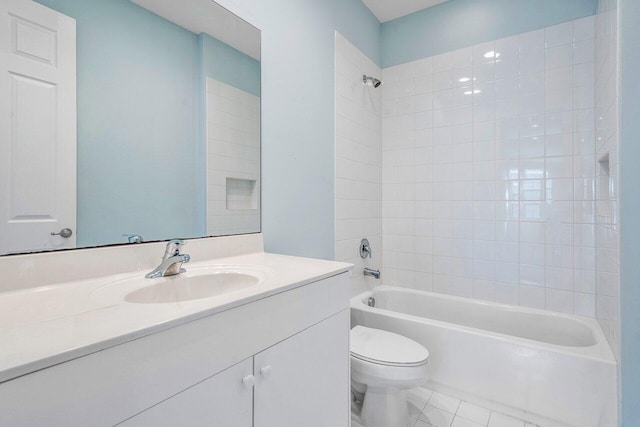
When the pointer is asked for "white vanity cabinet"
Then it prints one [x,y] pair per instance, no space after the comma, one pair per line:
[222,400]
[294,345]
[281,386]
[301,381]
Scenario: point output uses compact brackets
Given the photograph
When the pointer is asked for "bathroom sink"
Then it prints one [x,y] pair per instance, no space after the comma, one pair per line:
[195,284]
[177,288]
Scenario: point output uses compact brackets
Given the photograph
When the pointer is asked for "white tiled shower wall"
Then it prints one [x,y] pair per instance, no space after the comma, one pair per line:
[607,206]
[358,162]
[489,164]
[233,151]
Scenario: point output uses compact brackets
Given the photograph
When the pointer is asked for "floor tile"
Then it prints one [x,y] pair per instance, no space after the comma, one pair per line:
[419,397]
[444,402]
[474,413]
[432,409]
[414,413]
[501,420]
[463,422]
[436,417]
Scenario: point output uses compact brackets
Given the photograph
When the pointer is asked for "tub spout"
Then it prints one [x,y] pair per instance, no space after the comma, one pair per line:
[373,273]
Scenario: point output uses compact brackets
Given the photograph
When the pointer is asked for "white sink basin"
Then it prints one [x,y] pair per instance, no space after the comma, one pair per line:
[196,284]
[176,288]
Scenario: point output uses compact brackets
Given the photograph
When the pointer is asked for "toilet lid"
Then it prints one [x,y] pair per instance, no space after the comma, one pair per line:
[386,348]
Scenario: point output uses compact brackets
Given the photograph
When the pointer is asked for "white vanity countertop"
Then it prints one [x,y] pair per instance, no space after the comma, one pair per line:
[44,326]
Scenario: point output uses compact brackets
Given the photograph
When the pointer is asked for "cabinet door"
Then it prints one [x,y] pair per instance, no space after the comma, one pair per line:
[304,380]
[220,401]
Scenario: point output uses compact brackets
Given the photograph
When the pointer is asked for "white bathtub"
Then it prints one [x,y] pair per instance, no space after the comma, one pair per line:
[550,368]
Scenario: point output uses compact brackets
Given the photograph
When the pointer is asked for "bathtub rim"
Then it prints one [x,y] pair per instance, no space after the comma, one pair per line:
[601,351]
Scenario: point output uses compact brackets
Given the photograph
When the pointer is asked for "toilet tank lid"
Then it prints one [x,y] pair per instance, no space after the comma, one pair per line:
[376,345]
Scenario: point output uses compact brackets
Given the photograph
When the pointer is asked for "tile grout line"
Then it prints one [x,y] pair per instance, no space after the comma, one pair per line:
[455,414]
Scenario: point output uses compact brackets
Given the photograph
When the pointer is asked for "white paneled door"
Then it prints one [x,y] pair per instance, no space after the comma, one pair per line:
[37,127]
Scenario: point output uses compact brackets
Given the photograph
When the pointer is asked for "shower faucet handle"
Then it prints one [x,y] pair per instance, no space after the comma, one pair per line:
[365,249]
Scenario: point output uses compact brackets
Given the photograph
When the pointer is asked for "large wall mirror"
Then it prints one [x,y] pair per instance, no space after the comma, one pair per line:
[126,120]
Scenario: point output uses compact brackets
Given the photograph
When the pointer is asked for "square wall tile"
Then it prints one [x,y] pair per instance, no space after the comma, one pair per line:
[490,163]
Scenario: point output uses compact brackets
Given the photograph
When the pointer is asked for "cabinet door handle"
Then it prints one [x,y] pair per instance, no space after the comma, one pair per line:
[266,371]
[249,381]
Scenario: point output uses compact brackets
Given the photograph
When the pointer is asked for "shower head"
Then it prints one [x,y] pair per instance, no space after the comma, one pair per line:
[371,81]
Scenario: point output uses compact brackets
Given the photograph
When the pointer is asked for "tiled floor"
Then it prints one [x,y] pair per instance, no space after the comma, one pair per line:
[432,409]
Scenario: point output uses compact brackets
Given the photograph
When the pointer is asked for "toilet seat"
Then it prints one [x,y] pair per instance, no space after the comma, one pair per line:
[386,348]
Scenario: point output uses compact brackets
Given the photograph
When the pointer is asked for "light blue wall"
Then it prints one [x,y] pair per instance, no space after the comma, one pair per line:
[226,64]
[298,115]
[297,92]
[629,210]
[137,121]
[461,23]
[140,98]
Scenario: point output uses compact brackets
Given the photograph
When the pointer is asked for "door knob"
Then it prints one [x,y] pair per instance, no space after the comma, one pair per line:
[65,232]
[249,381]
[266,371]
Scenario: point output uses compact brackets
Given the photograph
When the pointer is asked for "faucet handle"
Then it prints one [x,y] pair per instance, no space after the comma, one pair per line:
[133,238]
[173,247]
[365,249]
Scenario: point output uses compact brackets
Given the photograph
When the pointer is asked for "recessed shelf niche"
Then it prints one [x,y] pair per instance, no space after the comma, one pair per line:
[242,194]
[604,191]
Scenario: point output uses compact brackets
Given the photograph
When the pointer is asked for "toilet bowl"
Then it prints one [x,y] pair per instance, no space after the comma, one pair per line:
[383,366]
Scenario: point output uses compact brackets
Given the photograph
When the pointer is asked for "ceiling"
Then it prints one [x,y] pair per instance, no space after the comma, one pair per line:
[386,10]
[205,16]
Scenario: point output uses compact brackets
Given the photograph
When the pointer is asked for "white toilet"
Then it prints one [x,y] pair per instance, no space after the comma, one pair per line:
[383,366]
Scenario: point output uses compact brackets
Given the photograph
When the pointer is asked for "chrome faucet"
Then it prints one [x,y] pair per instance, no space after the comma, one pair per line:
[171,261]
[372,273]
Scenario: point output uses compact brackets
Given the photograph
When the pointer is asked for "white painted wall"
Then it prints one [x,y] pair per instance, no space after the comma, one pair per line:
[607,184]
[489,171]
[233,151]
[358,162]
